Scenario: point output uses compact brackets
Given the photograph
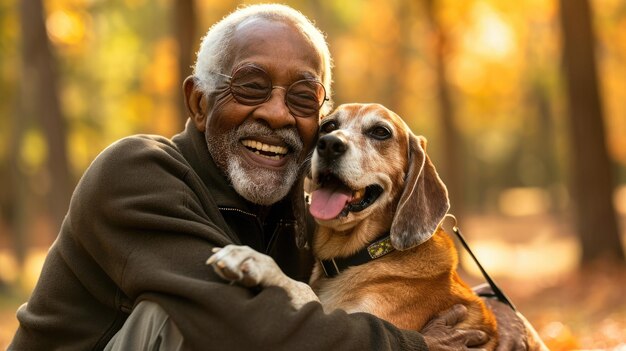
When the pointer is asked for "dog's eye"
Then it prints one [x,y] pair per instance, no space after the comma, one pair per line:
[380,133]
[328,127]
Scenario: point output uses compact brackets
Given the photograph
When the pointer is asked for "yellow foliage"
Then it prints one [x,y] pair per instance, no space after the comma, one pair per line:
[33,151]
[81,146]
[134,3]
[67,27]
[161,75]
[164,120]
[489,36]
[379,23]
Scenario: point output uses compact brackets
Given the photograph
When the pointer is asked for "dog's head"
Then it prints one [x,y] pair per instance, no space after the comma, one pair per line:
[368,164]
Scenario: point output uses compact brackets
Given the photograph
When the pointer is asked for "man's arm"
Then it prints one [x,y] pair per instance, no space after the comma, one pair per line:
[249,268]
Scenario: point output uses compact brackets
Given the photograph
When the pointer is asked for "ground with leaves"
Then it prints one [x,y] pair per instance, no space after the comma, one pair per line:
[584,310]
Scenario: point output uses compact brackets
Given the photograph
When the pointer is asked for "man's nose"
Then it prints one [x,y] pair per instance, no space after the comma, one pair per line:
[274,111]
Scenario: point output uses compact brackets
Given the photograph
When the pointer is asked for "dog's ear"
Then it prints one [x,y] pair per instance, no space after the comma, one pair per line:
[424,200]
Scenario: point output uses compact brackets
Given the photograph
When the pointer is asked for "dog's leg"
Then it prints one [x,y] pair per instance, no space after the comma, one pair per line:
[250,268]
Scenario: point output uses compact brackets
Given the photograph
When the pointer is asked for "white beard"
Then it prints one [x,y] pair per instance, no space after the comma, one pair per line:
[258,185]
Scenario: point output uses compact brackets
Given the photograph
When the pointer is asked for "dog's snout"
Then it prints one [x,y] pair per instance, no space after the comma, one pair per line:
[331,147]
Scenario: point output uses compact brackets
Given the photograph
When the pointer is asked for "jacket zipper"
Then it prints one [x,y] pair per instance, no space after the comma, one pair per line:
[238,210]
[279,225]
[270,243]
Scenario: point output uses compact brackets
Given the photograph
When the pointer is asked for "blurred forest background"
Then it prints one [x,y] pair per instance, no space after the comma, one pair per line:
[523,104]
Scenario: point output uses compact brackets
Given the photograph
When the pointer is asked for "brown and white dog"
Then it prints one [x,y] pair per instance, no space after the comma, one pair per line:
[378,202]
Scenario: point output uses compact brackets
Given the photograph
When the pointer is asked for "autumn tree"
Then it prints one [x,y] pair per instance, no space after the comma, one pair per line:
[591,173]
[39,102]
[446,109]
[185,28]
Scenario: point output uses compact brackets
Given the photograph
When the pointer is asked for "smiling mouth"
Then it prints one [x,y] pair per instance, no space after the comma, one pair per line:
[334,199]
[272,152]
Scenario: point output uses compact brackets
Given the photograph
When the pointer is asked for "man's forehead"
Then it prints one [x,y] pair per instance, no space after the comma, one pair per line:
[263,37]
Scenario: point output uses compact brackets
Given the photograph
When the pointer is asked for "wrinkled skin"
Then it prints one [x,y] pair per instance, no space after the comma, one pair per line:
[515,333]
[440,333]
[228,125]
[511,329]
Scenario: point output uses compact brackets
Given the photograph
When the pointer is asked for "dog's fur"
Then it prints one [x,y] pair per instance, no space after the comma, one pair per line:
[406,287]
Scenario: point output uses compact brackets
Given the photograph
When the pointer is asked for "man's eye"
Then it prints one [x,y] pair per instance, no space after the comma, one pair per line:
[253,86]
[380,133]
[303,99]
[328,127]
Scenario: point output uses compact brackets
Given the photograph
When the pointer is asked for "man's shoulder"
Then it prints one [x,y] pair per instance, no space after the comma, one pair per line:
[136,160]
[139,149]
[141,144]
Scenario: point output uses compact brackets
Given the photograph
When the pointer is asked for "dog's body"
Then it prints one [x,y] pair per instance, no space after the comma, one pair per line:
[406,288]
[372,179]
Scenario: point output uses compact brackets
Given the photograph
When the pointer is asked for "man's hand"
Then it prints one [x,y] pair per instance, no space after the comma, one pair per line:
[511,329]
[440,335]
[515,333]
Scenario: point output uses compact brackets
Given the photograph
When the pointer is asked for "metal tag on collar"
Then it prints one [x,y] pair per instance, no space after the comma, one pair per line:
[380,248]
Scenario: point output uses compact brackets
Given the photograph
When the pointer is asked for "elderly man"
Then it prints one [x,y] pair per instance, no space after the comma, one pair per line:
[148,211]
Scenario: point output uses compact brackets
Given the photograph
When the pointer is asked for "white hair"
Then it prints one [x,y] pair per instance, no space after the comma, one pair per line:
[215,49]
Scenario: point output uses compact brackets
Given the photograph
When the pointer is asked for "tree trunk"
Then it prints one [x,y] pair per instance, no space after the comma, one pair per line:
[592,177]
[19,191]
[41,99]
[391,93]
[185,24]
[451,169]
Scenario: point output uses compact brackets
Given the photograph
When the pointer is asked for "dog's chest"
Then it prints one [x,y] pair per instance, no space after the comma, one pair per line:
[350,291]
[336,296]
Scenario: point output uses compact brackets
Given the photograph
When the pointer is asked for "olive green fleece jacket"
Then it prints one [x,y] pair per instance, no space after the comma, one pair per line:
[141,224]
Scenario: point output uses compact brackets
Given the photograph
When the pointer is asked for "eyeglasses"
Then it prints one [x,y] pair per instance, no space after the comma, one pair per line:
[250,85]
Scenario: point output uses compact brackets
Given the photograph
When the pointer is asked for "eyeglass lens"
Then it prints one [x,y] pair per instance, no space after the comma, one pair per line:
[250,85]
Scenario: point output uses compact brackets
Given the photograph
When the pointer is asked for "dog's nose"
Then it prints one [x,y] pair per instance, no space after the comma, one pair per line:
[331,147]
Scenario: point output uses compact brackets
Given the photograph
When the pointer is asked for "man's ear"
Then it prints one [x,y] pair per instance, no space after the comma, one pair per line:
[196,102]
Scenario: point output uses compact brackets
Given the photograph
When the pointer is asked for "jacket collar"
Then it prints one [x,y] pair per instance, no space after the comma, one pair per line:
[192,144]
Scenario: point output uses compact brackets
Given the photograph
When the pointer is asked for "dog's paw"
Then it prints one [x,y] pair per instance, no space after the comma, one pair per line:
[242,264]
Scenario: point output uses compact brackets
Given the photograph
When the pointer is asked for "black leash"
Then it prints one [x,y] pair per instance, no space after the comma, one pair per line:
[496,290]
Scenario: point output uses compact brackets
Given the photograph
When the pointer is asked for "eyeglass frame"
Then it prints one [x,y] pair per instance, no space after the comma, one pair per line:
[269,94]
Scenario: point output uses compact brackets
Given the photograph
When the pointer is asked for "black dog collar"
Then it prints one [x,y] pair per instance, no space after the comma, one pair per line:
[373,251]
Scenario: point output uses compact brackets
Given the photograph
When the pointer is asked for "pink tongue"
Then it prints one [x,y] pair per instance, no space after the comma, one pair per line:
[328,203]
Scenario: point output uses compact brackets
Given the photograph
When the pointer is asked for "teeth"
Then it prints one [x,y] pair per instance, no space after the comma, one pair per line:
[357,195]
[275,157]
[253,144]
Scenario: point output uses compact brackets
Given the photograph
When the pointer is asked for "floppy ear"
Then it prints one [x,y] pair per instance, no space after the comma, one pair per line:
[424,200]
